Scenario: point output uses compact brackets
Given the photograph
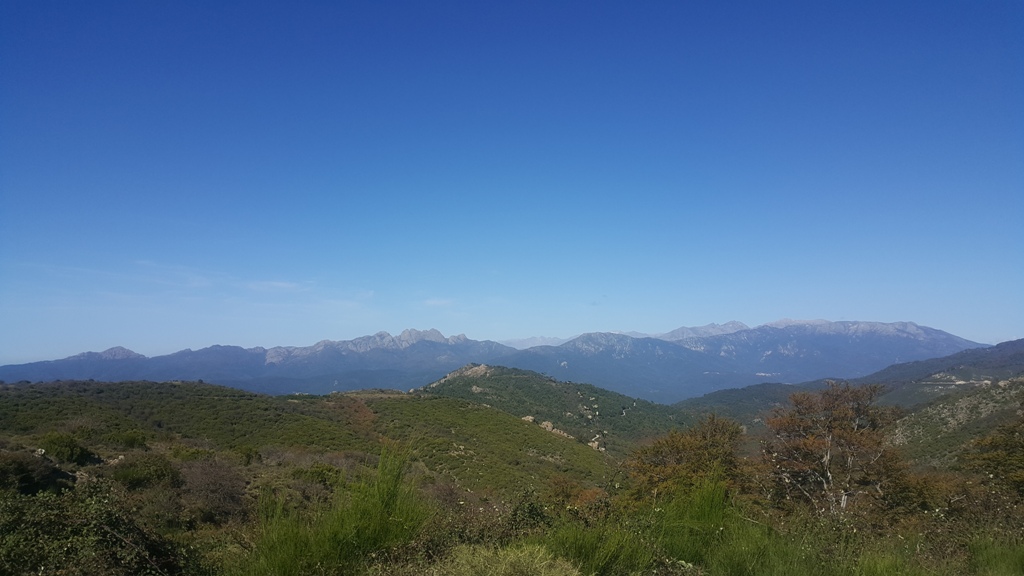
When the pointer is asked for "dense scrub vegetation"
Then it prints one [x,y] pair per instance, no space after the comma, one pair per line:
[191,479]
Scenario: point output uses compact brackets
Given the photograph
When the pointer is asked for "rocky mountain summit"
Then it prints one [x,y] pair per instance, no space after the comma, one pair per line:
[378,341]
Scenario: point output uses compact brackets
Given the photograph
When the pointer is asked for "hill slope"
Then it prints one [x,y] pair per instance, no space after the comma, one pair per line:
[449,436]
[937,434]
[600,418]
[918,382]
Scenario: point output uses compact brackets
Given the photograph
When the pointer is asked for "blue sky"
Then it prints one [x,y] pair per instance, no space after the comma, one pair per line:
[181,174]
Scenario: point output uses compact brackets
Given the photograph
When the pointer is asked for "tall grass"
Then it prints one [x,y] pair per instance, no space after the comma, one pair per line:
[691,525]
[604,549]
[991,557]
[369,518]
[521,560]
[701,527]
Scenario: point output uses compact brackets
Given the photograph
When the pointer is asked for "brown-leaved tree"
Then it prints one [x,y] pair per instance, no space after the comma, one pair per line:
[828,449]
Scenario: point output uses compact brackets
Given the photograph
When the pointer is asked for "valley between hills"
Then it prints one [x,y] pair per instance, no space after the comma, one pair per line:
[114,463]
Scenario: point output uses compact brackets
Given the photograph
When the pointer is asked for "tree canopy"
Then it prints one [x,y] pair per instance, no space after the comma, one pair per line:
[829,448]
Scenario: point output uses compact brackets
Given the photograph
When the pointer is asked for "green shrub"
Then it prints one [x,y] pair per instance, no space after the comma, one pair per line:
[1001,455]
[127,439]
[65,448]
[29,474]
[249,455]
[371,518]
[320,473]
[145,470]
[87,531]
[212,492]
[190,453]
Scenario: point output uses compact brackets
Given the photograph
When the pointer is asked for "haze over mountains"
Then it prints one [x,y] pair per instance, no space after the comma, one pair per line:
[677,334]
[683,363]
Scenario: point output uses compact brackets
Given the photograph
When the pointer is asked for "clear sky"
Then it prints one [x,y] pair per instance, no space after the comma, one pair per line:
[181,174]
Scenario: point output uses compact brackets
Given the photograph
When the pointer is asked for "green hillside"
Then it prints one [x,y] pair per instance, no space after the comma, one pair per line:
[188,479]
[100,414]
[602,419]
[482,449]
[450,437]
[748,406]
[938,433]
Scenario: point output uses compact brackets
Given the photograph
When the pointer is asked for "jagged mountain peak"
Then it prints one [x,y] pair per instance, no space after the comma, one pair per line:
[382,340]
[411,336]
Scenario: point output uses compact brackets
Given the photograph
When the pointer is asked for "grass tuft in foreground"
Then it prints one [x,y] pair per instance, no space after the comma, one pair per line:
[369,519]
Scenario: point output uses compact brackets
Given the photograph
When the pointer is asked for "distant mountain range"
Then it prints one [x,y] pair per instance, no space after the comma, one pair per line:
[410,359]
[732,356]
[680,364]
